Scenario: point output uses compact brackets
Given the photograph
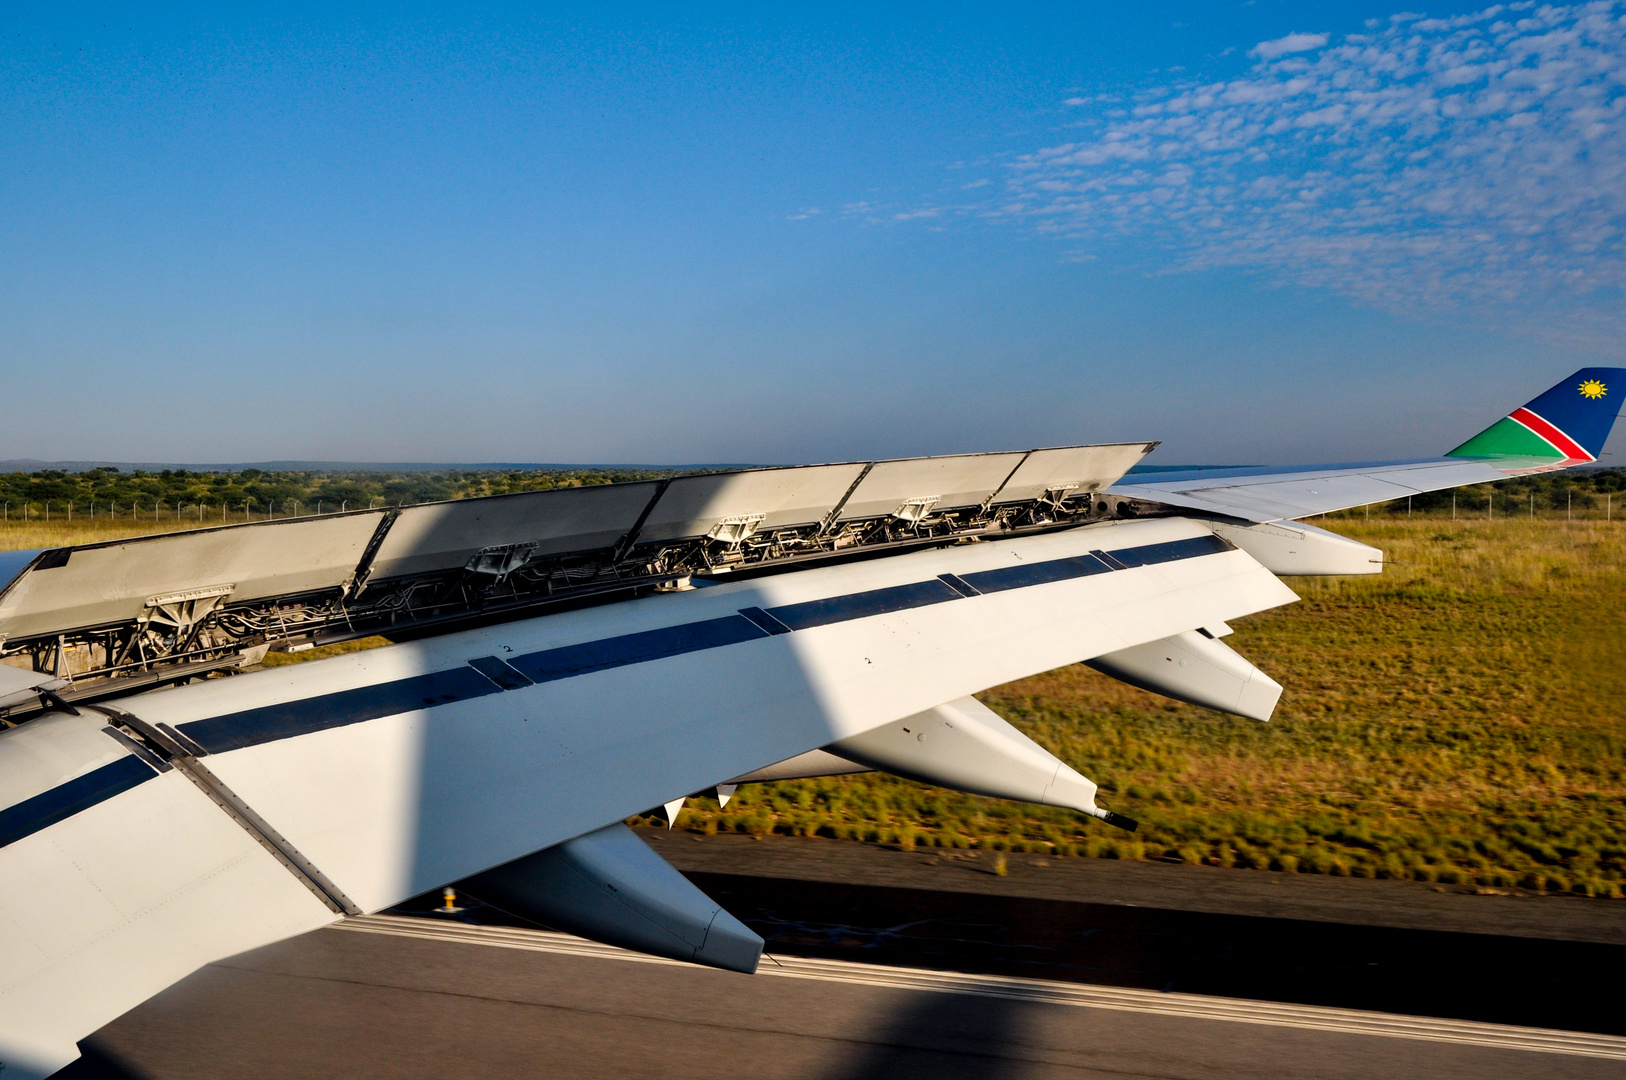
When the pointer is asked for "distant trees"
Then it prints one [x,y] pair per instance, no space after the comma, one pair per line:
[262,490]
[1579,489]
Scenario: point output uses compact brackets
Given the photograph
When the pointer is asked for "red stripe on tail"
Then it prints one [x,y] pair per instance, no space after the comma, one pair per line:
[1561,442]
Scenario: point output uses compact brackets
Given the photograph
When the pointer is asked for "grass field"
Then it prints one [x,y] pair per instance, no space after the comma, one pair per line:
[1459,718]
[62,533]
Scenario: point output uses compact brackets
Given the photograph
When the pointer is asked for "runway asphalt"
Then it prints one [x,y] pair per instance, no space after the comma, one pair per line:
[399,997]
[891,964]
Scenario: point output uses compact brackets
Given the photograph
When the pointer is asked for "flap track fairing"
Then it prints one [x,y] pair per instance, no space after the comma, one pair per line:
[1294,549]
[966,746]
[1195,667]
[611,887]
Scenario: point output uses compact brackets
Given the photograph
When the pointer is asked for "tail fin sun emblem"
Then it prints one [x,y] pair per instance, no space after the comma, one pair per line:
[1593,389]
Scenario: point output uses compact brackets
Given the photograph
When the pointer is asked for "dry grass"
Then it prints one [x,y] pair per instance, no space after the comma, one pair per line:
[322,652]
[60,532]
[1458,718]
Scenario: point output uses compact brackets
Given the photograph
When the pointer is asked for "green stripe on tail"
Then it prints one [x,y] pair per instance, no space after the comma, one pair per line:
[1508,438]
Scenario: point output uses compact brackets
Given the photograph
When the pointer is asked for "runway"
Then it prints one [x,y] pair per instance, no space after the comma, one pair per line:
[387,996]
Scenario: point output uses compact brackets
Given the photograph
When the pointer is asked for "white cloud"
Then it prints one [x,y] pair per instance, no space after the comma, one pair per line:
[1473,163]
[1292,43]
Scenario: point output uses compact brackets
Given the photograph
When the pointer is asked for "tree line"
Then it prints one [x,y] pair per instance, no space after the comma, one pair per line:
[107,490]
[1541,493]
[170,492]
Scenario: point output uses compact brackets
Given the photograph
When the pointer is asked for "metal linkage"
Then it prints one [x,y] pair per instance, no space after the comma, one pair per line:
[201,633]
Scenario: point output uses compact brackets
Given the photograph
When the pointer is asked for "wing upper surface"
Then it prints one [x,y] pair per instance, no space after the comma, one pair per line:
[1273,495]
[614,710]
[372,777]
[120,879]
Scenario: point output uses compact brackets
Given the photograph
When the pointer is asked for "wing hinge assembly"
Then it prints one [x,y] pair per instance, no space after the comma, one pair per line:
[610,886]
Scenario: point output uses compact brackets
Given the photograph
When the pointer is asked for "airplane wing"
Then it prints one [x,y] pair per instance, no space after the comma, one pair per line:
[183,825]
[562,660]
[1565,426]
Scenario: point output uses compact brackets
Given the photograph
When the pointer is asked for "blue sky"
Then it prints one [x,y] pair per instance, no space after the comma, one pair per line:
[1260,232]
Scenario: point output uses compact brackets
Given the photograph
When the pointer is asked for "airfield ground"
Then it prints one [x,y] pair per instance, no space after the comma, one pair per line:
[891,964]
[1460,719]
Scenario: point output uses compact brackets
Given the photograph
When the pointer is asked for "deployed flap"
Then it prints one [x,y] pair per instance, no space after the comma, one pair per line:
[95,584]
[609,886]
[942,482]
[438,537]
[1194,667]
[1070,469]
[967,746]
[762,500]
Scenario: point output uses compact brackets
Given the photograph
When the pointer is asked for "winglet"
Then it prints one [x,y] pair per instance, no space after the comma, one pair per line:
[1567,425]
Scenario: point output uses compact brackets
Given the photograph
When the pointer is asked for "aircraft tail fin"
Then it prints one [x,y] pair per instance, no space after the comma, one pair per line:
[1567,425]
